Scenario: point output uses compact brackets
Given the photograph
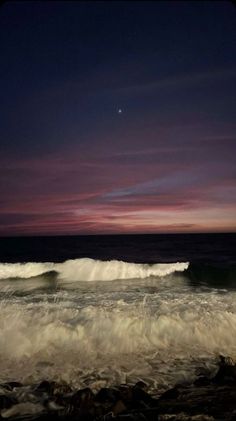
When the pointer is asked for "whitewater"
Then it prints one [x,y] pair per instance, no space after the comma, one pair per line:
[97,323]
[89,270]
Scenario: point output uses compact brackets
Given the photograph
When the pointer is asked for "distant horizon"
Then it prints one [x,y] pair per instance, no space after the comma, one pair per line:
[118,234]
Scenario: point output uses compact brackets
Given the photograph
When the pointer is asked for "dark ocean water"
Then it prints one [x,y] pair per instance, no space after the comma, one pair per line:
[100,310]
[212,256]
[197,248]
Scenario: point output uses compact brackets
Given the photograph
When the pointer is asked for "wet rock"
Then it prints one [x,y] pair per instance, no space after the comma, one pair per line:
[61,389]
[131,417]
[53,406]
[53,388]
[126,392]
[170,394]
[142,398]
[226,372]
[22,409]
[119,407]
[202,381]
[141,385]
[79,405]
[106,402]
[11,385]
[185,417]
[6,401]
[213,400]
[45,386]
[205,400]
[82,398]
[60,400]
[107,395]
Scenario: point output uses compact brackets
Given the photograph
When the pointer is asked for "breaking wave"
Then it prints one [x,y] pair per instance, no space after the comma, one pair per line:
[90,270]
[125,341]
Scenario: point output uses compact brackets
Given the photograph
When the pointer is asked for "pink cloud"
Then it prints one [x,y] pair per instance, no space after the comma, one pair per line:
[112,187]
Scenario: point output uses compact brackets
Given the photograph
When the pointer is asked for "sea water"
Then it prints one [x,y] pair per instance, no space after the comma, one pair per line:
[102,310]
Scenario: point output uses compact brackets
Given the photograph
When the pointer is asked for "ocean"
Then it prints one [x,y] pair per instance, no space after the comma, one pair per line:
[103,310]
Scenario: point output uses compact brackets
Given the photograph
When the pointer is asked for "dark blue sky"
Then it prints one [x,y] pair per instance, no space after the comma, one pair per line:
[70,162]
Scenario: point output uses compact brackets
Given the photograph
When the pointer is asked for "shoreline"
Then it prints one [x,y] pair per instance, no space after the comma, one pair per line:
[206,399]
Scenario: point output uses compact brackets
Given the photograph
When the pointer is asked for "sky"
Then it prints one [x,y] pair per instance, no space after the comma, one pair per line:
[117,117]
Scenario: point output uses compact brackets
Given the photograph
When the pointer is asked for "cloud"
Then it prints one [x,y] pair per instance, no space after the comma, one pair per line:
[133,185]
[179,81]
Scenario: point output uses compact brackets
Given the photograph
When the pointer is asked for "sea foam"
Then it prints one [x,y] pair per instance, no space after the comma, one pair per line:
[50,341]
[90,270]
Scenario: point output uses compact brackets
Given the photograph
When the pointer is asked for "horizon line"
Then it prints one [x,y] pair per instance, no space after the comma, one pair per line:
[118,234]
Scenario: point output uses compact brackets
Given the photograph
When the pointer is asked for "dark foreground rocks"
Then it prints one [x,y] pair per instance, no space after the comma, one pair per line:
[208,399]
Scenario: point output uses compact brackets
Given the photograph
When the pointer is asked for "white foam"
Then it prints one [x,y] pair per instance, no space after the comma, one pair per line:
[36,339]
[90,270]
[154,328]
[24,270]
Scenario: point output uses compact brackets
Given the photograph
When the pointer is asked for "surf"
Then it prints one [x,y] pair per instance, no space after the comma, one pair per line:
[86,269]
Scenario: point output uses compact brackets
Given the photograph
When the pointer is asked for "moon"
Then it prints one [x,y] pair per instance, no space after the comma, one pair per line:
[120,111]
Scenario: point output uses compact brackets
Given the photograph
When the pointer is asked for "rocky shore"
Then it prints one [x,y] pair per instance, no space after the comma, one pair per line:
[207,399]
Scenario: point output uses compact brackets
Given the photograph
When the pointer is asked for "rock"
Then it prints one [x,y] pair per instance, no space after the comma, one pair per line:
[53,388]
[142,398]
[170,394]
[82,397]
[126,392]
[11,385]
[185,417]
[141,385]
[107,395]
[45,386]
[6,401]
[81,404]
[118,408]
[53,406]
[212,400]
[21,409]
[205,400]
[105,402]
[226,372]
[202,381]
[61,389]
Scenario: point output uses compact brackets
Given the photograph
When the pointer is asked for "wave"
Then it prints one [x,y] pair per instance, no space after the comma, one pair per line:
[120,341]
[24,270]
[87,269]
[95,329]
